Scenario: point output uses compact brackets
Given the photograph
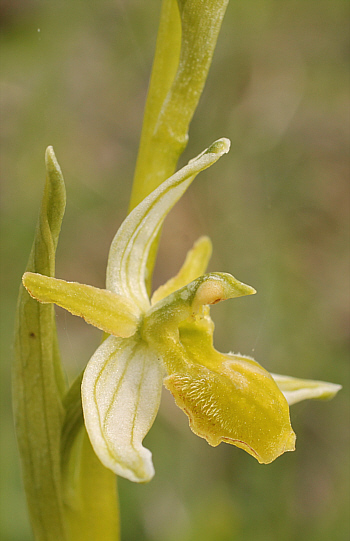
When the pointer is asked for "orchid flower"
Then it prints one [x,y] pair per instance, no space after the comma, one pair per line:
[169,339]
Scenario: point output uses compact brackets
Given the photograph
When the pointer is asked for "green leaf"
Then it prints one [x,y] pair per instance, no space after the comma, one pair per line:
[90,489]
[92,513]
[38,381]
[71,495]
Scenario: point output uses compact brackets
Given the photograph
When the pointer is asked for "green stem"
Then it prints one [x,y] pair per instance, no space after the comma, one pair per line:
[152,165]
[92,510]
[90,489]
[186,41]
[187,36]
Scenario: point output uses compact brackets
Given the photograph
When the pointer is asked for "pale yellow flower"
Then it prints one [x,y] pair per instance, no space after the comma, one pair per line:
[169,339]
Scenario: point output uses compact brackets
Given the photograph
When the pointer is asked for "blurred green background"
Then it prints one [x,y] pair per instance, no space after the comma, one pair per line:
[75,76]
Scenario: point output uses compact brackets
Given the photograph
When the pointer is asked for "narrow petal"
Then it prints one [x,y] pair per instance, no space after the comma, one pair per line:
[126,271]
[195,265]
[121,393]
[107,311]
[295,390]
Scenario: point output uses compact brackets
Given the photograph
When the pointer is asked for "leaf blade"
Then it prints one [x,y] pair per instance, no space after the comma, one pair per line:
[90,489]
[38,380]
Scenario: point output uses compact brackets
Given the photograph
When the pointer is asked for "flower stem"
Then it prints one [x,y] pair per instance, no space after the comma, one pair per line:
[187,36]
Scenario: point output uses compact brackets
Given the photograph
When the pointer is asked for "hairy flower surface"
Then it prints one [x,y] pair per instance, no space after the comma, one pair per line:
[169,339]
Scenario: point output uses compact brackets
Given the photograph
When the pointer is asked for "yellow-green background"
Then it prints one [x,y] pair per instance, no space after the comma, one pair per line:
[75,75]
